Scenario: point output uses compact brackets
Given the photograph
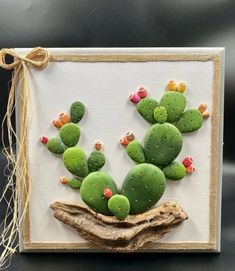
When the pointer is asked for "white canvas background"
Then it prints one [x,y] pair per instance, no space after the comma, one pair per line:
[104,89]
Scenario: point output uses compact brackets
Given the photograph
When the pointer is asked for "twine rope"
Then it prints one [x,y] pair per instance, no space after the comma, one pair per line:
[17,180]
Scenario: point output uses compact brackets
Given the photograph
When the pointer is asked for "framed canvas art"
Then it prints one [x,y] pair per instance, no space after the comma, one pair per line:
[123,150]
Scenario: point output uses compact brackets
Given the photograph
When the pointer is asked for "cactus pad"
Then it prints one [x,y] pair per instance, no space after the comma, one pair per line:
[77,111]
[55,145]
[175,103]
[75,161]
[190,121]
[174,171]
[135,151]
[74,183]
[163,143]
[146,109]
[160,114]
[143,186]
[70,134]
[96,161]
[119,205]
[92,191]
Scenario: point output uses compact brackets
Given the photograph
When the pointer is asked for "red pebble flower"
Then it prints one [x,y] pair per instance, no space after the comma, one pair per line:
[107,193]
[124,141]
[98,145]
[130,136]
[43,139]
[187,161]
[142,92]
[190,169]
[134,98]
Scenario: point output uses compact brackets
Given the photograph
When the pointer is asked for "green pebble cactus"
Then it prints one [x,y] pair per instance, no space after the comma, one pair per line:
[77,111]
[190,121]
[160,114]
[174,171]
[74,183]
[119,206]
[96,161]
[136,151]
[70,134]
[75,161]
[146,109]
[143,186]
[55,145]
[175,103]
[92,189]
[163,143]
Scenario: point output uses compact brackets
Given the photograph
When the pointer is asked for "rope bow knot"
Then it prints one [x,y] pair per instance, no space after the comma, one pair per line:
[38,58]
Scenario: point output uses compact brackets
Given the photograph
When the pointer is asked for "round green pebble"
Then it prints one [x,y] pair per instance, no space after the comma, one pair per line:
[160,114]
[74,183]
[77,111]
[70,134]
[174,171]
[55,145]
[119,205]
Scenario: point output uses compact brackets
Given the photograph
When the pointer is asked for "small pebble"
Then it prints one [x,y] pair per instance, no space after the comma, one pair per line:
[57,123]
[124,141]
[130,136]
[43,139]
[134,98]
[171,85]
[98,145]
[205,114]
[202,108]
[64,118]
[142,92]
[64,180]
[181,87]
[107,193]
[187,161]
[190,169]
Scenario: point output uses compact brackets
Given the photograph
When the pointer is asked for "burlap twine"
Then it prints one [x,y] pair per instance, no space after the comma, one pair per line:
[18,179]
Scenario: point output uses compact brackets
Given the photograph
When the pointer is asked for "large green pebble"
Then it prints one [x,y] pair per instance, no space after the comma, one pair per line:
[143,186]
[75,161]
[92,189]
[70,134]
[163,143]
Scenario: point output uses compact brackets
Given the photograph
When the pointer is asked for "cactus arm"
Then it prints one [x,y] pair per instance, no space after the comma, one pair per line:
[74,183]
[190,121]
[175,171]
[70,134]
[146,109]
[96,160]
[56,145]
[77,111]
[75,162]
[174,103]
[135,151]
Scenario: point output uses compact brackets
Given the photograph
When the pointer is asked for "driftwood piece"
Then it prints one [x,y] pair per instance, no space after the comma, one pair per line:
[121,236]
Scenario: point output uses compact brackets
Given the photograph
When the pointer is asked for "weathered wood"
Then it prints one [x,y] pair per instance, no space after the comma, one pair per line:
[121,236]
